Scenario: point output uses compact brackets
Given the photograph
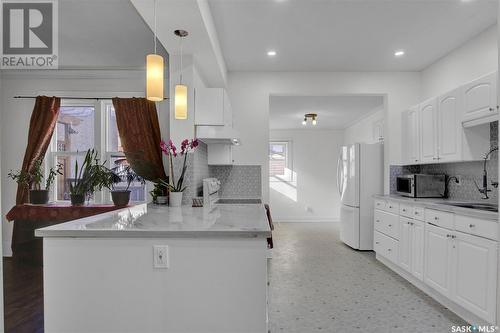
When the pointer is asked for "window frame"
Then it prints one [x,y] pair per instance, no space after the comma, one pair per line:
[101,138]
[288,160]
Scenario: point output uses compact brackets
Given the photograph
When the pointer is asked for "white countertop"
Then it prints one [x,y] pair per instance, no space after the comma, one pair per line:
[438,204]
[241,221]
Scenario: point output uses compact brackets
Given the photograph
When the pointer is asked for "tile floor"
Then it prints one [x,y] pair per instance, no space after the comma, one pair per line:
[318,284]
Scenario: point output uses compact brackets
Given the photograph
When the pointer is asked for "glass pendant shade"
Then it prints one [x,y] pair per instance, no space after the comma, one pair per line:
[154,77]
[181,101]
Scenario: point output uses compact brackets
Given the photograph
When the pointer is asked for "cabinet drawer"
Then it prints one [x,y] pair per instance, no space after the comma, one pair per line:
[478,227]
[439,218]
[419,213]
[392,207]
[380,204]
[387,223]
[406,210]
[386,246]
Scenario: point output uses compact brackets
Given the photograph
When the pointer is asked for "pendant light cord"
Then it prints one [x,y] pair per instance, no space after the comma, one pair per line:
[181,59]
[154,13]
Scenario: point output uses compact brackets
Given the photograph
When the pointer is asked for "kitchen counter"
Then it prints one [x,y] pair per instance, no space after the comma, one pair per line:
[153,268]
[438,204]
[232,220]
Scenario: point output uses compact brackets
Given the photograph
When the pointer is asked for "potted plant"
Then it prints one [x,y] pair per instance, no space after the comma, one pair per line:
[159,192]
[91,176]
[33,180]
[176,188]
[123,173]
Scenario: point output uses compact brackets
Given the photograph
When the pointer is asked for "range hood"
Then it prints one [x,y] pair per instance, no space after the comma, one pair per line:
[217,134]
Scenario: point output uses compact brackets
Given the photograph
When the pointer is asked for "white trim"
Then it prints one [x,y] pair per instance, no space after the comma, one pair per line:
[75,74]
[311,219]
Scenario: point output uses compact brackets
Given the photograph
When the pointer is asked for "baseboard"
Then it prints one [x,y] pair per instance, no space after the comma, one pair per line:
[465,314]
[279,219]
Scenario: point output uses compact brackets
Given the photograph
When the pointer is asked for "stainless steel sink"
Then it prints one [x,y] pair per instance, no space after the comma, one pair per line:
[474,205]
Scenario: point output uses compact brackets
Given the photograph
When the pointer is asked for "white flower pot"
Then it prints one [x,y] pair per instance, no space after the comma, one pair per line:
[175,199]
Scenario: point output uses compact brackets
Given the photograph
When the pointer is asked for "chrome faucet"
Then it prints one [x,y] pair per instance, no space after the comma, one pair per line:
[484,190]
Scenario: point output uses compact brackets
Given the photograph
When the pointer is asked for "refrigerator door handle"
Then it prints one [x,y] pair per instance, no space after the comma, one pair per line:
[339,174]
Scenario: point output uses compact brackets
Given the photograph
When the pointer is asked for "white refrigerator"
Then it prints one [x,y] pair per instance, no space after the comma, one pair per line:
[360,175]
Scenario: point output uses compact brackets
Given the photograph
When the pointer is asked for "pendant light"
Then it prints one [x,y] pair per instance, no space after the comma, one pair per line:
[154,71]
[181,90]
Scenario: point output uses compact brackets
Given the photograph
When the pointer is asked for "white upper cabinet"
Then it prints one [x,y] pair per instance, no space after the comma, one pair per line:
[449,127]
[452,127]
[212,107]
[411,128]
[480,101]
[428,135]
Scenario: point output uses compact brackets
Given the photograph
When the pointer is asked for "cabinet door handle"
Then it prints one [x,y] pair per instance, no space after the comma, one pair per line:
[448,236]
[492,109]
[389,250]
[416,213]
[377,243]
[472,225]
[390,225]
[377,220]
[453,236]
[404,210]
[390,207]
[436,218]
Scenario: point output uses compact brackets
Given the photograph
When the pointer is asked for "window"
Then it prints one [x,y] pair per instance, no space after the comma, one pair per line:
[280,168]
[84,125]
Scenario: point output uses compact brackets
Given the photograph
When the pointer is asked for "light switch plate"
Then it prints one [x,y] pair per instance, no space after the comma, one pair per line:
[160,256]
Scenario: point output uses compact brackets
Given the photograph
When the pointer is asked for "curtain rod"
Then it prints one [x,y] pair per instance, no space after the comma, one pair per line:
[91,98]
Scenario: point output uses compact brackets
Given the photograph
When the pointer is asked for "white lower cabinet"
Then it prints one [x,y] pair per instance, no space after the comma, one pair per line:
[454,255]
[411,246]
[417,252]
[475,272]
[438,259]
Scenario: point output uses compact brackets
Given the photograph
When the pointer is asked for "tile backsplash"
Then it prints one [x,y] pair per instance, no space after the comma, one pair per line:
[237,181]
[468,171]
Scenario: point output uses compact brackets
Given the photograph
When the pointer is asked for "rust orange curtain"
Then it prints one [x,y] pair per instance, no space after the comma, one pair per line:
[42,124]
[139,130]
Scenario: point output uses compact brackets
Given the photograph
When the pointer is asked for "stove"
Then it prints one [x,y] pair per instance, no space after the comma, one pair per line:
[211,188]
[239,201]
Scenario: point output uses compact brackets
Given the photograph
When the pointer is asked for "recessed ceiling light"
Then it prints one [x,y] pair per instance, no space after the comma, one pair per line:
[271,53]
[399,53]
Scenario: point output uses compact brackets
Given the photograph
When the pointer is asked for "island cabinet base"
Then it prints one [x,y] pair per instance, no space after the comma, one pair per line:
[110,285]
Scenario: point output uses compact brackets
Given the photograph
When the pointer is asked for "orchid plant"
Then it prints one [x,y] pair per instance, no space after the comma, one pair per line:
[170,150]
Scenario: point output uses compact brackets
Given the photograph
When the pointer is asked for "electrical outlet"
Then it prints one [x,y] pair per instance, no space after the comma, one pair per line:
[160,256]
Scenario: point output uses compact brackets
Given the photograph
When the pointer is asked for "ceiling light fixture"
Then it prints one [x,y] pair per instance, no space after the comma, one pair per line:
[271,53]
[181,90]
[399,53]
[154,71]
[312,116]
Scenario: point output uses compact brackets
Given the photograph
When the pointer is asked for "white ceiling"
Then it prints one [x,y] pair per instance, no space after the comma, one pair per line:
[345,35]
[99,34]
[334,112]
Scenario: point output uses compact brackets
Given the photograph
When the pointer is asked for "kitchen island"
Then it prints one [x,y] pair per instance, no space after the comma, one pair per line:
[153,268]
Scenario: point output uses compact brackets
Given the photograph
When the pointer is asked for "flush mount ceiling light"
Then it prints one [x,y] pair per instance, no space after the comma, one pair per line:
[181,90]
[312,116]
[399,53]
[271,53]
[154,71]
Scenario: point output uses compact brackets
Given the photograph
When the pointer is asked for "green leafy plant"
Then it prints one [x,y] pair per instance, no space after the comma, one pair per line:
[90,176]
[159,189]
[34,179]
[125,174]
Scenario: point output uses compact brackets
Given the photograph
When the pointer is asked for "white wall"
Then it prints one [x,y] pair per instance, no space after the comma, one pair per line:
[473,59]
[16,114]
[249,93]
[362,130]
[312,196]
